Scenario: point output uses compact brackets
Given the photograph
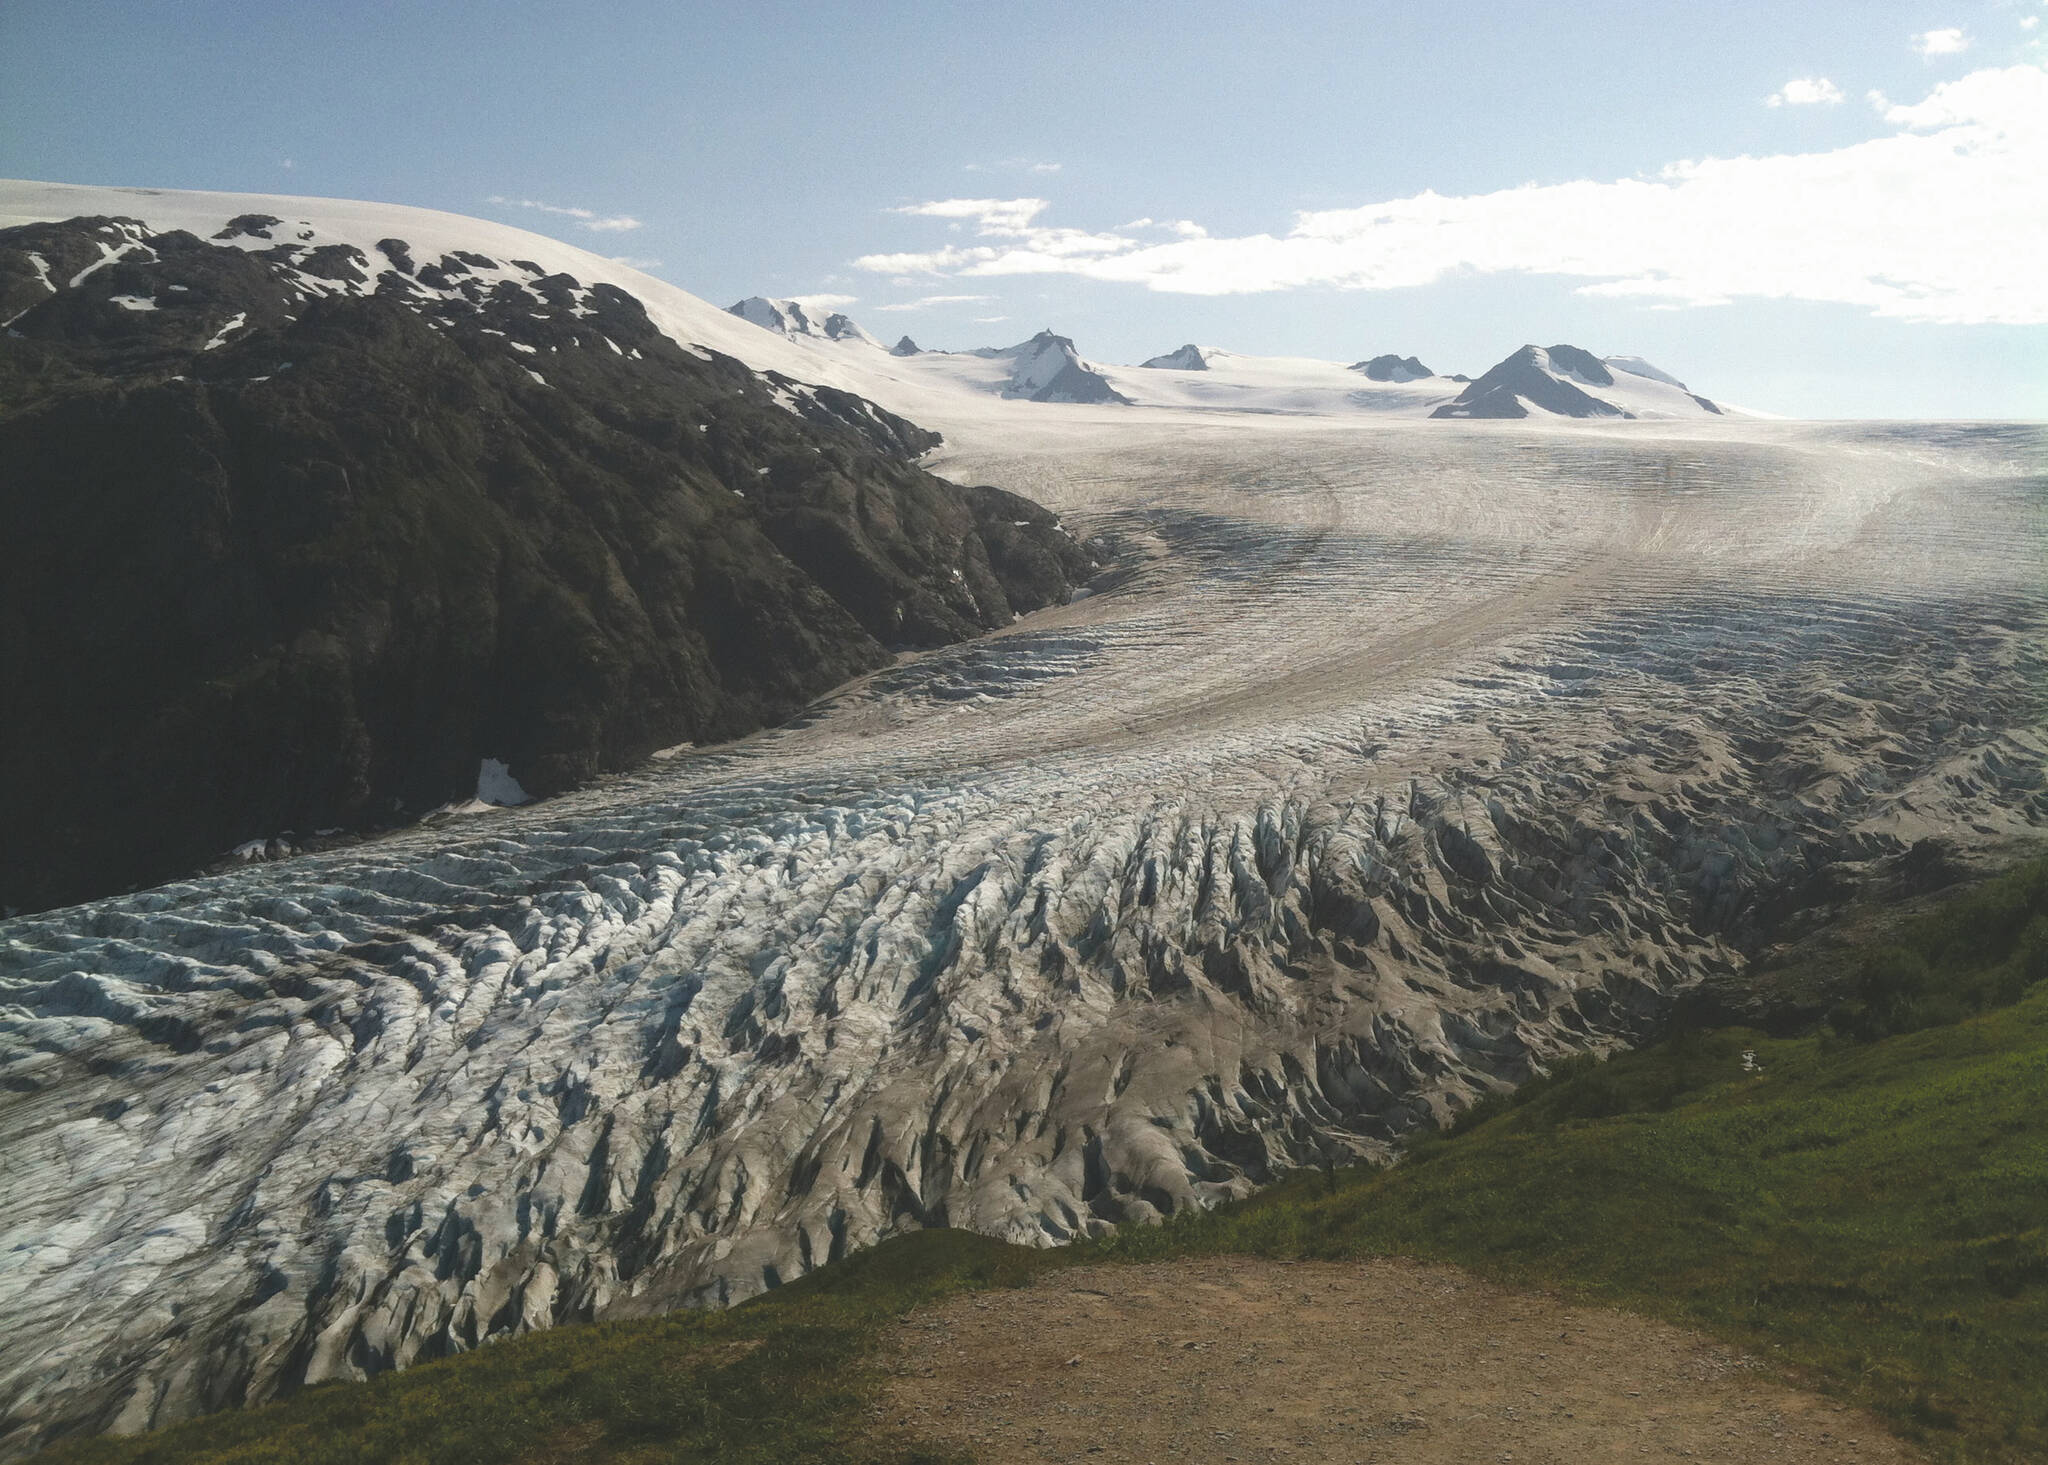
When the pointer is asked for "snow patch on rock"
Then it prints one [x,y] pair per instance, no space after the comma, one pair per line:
[496,785]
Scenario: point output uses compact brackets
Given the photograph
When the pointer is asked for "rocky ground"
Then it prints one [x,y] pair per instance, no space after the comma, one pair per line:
[1386,1362]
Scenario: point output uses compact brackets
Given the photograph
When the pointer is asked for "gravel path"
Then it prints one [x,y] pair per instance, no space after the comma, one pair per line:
[1234,1359]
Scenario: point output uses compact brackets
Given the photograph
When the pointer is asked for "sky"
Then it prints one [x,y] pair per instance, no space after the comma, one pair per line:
[1833,209]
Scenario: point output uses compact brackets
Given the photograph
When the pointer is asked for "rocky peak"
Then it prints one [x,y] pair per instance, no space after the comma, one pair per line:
[1391,368]
[1187,358]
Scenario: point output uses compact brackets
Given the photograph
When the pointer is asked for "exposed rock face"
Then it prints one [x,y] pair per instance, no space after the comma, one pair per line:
[1580,366]
[904,347]
[298,537]
[1187,358]
[1046,368]
[1391,368]
[1535,375]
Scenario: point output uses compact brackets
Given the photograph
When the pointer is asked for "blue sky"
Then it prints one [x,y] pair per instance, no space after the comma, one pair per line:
[1869,245]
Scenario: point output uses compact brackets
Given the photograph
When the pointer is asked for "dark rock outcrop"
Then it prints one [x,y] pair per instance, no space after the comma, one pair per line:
[1391,368]
[905,347]
[1187,358]
[281,556]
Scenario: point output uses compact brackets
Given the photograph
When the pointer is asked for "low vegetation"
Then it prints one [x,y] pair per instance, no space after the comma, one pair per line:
[1866,1207]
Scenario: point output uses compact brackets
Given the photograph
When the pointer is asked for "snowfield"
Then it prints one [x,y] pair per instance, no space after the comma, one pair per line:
[1389,761]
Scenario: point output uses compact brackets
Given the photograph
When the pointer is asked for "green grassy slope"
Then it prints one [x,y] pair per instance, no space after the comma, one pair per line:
[1870,1209]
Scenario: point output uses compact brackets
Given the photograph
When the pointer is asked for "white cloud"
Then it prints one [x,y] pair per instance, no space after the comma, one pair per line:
[287,164]
[634,261]
[1948,42]
[1186,228]
[2028,22]
[588,218]
[989,320]
[823,302]
[994,215]
[1805,91]
[1934,221]
[925,302]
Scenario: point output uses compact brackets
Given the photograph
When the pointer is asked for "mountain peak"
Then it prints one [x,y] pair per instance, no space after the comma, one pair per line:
[792,318]
[1392,368]
[1555,379]
[1047,368]
[1188,358]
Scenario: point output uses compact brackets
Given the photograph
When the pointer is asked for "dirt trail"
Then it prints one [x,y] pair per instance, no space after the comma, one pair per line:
[1236,1359]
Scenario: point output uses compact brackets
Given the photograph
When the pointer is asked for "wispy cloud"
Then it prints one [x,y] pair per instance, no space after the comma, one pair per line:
[1805,91]
[926,302]
[824,302]
[588,218]
[1011,165]
[1934,221]
[287,164]
[994,218]
[1185,228]
[634,262]
[994,215]
[1949,42]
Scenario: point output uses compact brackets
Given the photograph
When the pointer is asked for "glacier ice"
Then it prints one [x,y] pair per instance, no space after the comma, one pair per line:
[1383,768]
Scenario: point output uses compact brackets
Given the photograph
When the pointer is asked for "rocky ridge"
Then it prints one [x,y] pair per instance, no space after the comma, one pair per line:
[1187,358]
[1391,368]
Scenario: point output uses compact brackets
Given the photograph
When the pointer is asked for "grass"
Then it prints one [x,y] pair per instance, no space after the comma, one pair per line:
[1868,1209]
[782,1380]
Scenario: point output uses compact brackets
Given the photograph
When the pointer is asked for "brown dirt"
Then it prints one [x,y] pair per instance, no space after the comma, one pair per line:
[1234,1359]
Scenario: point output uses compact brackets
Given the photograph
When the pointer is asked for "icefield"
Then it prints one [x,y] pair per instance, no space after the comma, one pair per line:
[1386,763]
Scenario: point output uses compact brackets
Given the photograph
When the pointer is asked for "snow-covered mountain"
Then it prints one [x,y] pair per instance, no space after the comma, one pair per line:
[968,396]
[1047,368]
[792,318]
[1565,381]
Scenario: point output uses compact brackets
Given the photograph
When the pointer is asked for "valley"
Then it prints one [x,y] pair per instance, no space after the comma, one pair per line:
[1378,771]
